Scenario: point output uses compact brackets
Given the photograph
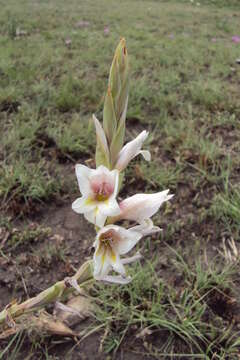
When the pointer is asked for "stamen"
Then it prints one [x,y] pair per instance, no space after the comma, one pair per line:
[102,190]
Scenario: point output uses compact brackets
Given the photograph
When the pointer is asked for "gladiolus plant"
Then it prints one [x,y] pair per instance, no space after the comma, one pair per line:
[99,202]
[100,187]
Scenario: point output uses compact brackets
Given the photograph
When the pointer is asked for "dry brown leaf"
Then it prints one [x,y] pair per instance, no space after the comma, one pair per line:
[77,309]
[9,332]
[47,323]
[42,323]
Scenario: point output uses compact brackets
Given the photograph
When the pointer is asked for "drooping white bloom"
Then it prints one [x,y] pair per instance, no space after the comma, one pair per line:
[132,149]
[112,241]
[99,190]
[141,207]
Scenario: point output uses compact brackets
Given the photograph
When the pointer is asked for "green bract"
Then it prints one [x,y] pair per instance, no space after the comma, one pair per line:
[115,108]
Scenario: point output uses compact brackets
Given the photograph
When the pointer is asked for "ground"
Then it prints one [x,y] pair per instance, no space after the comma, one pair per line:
[184,299]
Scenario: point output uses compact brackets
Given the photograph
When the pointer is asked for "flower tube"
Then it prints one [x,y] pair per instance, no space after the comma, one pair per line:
[141,207]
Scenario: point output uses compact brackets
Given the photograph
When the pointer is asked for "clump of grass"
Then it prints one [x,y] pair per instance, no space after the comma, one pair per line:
[68,98]
[21,135]
[209,94]
[184,315]
[11,27]
[26,236]
[193,145]
[9,99]
[75,139]
[74,95]
[24,183]
[159,176]
[226,206]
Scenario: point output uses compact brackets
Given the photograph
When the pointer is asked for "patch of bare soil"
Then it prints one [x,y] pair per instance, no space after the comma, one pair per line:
[9,106]
[31,267]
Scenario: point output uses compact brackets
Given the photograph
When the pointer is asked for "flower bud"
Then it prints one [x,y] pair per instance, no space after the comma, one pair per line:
[116,100]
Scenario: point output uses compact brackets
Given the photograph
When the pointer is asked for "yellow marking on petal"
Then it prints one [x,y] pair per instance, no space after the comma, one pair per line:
[96,210]
[113,255]
[103,258]
[89,201]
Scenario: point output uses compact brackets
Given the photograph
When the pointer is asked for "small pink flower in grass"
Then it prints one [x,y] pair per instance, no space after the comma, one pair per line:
[106,30]
[236,39]
[68,42]
[99,190]
[214,39]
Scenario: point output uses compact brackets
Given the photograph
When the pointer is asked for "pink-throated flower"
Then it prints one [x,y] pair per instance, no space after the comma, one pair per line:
[99,190]
[112,241]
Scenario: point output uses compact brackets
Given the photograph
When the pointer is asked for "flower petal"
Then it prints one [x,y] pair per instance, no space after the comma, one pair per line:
[117,264]
[146,228]
[146,154]
[83,174]
[110,208]
[131,259]
[142,206]
[130,150]
[101,262]
[83,204]
[115,279]
[96,217]
[115,173]
[127,240]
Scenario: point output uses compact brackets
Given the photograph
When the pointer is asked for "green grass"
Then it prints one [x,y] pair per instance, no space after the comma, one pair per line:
[74,140]
[26,236]
[226,208]
[185,90]
[22,184]
[164,317]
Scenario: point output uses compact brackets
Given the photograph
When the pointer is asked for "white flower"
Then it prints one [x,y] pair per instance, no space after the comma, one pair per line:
[112,241]
[132,149]
[141,207]
[99,189]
